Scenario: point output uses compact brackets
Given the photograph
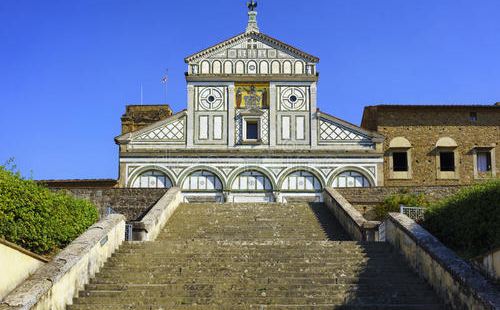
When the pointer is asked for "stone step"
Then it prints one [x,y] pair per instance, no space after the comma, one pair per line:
[244,293]
[254,272]
[302,306]
[289,243]
[354,287]
[306,250]
[189,265]
[263,299]
[190,254]
[297,279]
[272,244]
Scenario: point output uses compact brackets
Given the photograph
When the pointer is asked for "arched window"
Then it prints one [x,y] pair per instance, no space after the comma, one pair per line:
[152,179]
[275,67]
[202,180]
[351,179]
[228,67]
[240,67]
[287,67]
[301,181]
[205,67]
[216,67]
[252,181]
[264,67]
[299,67]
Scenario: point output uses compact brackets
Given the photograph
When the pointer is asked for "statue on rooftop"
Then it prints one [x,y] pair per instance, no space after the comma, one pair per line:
[252,5]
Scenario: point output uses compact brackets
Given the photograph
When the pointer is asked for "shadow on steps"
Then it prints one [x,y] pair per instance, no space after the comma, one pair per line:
[329,223]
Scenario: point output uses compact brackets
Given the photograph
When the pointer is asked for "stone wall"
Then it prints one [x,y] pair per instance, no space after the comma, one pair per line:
[490,264]
[365,198]
[423,126]
[148,228]
[455,281]
[81,183]
[139,116]
[16,264]
[349,218]
[54,285]
[131,202]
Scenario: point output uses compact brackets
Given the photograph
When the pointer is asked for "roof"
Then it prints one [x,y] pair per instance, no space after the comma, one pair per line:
[253,35]
[129,135]
[80,183]
[433,106]
[372,134]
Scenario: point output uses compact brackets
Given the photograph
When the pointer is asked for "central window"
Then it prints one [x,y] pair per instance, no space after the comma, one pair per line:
[252,130]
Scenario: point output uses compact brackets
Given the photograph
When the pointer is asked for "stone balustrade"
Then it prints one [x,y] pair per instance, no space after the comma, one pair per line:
[455,281]
[54,285]
[350,218]
[148,228]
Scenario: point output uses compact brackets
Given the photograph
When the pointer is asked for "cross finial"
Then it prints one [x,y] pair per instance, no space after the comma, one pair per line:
[252,17]
[252,5]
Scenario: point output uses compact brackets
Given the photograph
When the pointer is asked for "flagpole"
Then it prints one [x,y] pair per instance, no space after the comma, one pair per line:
[164,80]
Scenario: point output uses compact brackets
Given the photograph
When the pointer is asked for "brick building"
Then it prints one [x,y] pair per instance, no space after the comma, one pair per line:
[437,144]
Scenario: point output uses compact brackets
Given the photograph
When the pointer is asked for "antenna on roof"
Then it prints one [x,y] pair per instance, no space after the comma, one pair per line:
[164,81]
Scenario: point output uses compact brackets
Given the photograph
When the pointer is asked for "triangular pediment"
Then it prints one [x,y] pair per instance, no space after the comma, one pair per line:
[334,130]
[171,129]
[251,45]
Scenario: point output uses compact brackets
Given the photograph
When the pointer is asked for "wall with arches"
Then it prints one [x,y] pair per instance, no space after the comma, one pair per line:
[237,183]
[262,67]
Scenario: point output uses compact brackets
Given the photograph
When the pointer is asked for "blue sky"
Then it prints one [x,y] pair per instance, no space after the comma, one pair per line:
[68,68]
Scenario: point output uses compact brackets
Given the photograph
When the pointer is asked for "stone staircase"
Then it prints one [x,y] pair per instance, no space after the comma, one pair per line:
[255,256]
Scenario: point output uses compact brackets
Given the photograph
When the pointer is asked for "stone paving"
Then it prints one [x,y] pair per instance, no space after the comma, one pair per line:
[255,256]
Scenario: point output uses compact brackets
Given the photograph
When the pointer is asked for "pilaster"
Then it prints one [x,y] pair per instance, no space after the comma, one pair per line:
[190,116]
[314,115]
[230,119]
[273,102]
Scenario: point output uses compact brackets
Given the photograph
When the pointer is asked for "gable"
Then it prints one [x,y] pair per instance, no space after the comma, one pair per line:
[247,41]
[250,48]
[333,130]
[170,130]
[251,53]
[173,131]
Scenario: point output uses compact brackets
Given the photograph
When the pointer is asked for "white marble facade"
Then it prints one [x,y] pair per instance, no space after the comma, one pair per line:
[251,131]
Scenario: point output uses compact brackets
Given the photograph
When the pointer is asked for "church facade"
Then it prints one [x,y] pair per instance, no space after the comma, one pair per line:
[252,130]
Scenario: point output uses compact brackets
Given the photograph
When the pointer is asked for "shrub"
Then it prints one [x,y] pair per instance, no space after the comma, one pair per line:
[469,221]
[36,218]
[393,202]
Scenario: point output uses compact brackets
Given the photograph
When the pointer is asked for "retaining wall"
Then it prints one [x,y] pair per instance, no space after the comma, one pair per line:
[153,221]
[131,202]
[365,198]
[351,219]
[54,285]
[455,281]
[16,264]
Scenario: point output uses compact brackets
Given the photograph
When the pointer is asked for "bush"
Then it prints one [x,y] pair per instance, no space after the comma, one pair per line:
[469,221]
[36,218]
[393,202]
